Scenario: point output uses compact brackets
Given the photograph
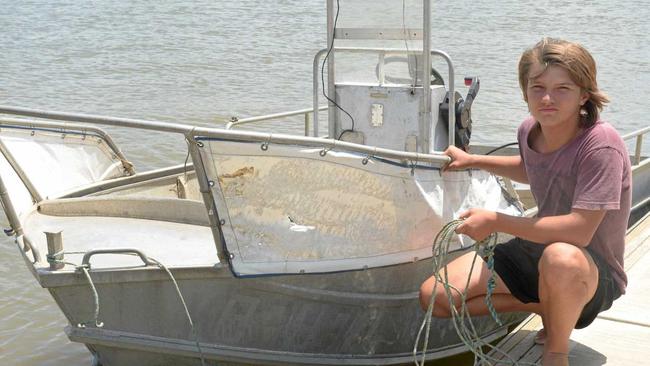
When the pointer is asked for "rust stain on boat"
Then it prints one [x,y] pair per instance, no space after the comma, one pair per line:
[249,170]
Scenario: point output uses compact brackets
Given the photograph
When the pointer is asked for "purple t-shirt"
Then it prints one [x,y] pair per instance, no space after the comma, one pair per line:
[592,172]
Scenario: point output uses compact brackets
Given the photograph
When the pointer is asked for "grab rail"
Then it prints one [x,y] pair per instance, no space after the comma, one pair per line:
[131,251]
[307,112]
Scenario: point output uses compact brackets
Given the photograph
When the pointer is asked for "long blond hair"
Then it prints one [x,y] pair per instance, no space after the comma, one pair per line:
[579,64]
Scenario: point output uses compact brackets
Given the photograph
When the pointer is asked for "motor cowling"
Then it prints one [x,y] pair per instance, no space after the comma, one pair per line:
[463,108]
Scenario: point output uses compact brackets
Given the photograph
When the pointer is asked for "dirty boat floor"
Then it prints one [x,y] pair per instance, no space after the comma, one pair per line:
[619,336]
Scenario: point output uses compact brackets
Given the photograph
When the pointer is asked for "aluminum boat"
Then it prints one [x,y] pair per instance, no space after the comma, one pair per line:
[263,248]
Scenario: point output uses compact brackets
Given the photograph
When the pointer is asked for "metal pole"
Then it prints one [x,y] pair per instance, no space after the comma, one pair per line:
[637,151]
[382,74]
[208,200]
[27,246]
[36,197]
[425,123]
[333,124]
[315,83]
[136,178]
[9,209]
[54,249]
[268,117]
[636,133]
[307,123]
[95,119]
[189,132]
[248,136]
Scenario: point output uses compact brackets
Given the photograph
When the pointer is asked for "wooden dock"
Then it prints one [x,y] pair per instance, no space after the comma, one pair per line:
[619,336]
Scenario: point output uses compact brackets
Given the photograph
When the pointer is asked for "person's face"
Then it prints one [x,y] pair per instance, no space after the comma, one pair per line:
[553,98]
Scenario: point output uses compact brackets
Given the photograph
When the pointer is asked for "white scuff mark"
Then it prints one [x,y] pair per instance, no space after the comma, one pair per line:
[293,226]
[301,228]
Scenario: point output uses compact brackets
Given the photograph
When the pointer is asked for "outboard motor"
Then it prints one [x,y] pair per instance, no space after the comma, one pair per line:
[463,130]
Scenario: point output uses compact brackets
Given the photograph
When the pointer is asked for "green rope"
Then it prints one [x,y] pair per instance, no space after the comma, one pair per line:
[98,324]
[54,259]
[187,312]
[491,284]
[461,319]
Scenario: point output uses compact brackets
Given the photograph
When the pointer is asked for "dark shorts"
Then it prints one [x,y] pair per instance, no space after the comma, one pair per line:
[516,263]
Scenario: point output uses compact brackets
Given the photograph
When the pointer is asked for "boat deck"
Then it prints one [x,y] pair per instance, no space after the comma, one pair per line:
[174,244]
[619,336]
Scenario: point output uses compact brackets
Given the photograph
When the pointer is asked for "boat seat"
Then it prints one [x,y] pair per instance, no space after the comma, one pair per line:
[182,211]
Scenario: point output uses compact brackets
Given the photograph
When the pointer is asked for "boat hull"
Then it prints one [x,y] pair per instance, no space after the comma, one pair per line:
[356,317]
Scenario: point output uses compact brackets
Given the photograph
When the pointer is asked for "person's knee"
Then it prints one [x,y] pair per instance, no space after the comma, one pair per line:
[563,263]
[425,295]
[426,292]
[441,304]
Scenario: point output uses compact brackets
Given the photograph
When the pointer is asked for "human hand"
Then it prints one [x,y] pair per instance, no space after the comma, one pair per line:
[459,159]
[478,224]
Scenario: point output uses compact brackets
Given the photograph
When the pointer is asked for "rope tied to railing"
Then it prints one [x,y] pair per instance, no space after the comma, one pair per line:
[84,268]
[55,258]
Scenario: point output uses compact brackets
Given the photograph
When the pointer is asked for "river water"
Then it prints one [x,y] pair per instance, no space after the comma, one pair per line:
[200,62]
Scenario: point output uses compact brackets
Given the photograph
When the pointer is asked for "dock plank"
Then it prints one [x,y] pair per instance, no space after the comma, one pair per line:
[633,307]
[520,333]
[610,342]
[619,336]
[534,355]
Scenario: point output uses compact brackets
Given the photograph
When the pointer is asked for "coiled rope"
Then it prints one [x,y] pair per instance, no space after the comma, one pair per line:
[461,318]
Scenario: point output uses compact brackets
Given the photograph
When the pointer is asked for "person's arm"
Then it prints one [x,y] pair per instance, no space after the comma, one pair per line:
[577,227]
[600,176]
[506,166]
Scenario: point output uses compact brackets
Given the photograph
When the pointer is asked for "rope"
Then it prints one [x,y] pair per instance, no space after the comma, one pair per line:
[491,284]
[187,312]
[98,324]
[52,259]
[461,318]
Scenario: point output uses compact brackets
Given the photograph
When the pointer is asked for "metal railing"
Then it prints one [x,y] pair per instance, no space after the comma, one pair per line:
[80,129]
[190,133]
[307,113]
[636,158]
[426,122]
[59,127]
